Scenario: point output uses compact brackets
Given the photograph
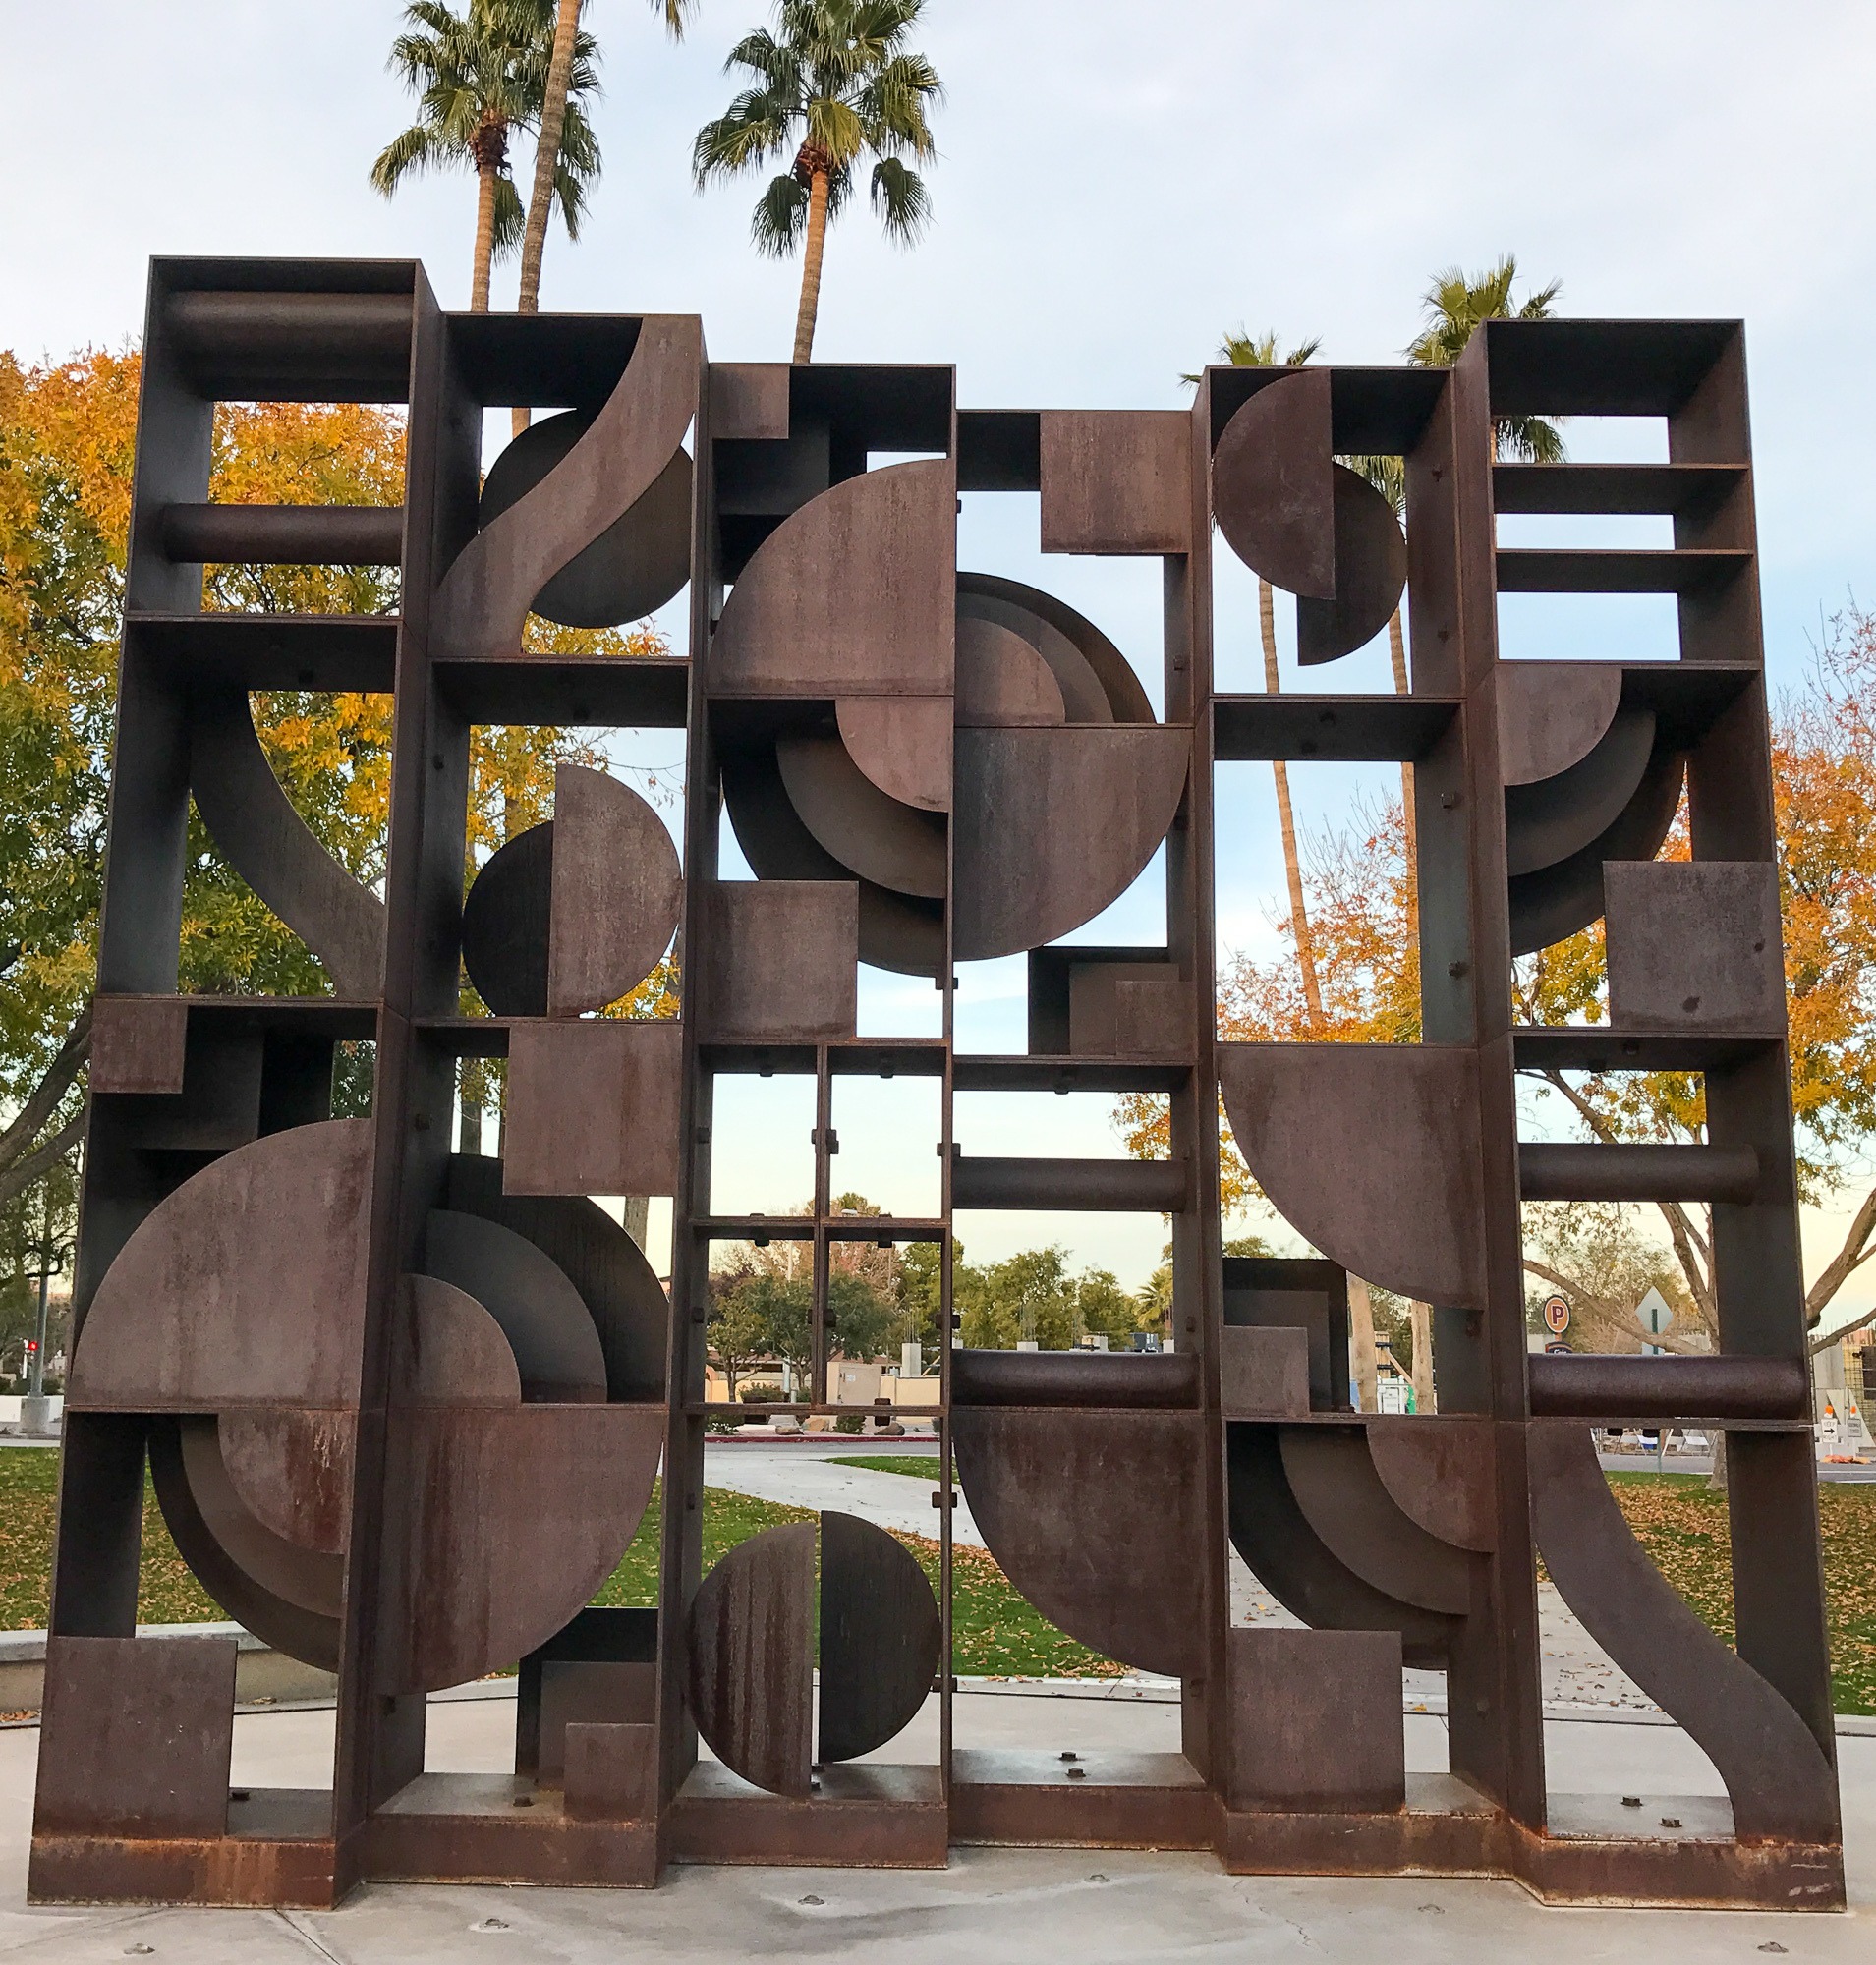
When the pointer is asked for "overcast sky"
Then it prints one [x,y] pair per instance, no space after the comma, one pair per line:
[1117,185]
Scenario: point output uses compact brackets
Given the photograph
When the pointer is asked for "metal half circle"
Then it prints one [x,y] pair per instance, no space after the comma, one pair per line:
[1372,1154]
[881,1638]
[270,846]
[1439,1472]
[507,924]
[1002,680]
[903,743]
[635,566]
[449,1351]
[1273,484]
[292,1468]
[1551,714]
[1559,901]
[1555,818]
[489,590]
[198,1310]
[1053,826]
[891,844]
[1343,1499]
[546,1320]
[1008,604]
[616,891]
[1371,574]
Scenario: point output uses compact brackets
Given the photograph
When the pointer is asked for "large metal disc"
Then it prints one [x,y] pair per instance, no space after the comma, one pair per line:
[1371,572]
[635,566]
[506,924]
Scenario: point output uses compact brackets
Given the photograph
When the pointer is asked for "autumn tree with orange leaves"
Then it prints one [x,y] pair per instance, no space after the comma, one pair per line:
[67,438]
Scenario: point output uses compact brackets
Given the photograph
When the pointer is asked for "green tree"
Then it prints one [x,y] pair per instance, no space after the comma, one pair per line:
[836,82]
[478,76]
[1456,304]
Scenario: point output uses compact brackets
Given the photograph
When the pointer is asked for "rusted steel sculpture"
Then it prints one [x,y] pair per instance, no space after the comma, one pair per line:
[404,1407]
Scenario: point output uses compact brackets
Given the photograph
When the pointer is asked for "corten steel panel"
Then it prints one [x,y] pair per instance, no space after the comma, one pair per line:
[199,1312]
[616,891]
[592,1668]
[1782,1785]
[1100,1801]
[485,597]
[893,845]
[516,1518]
[269,844]
[751,1658]
[1273,493]
[593,1107]
[1553,716]
[611,1771]
[1686,488]
[136,1736]
[1441,1475]
[903,743]
[1316,1720]
[1263,1372]
[748,401]
[1097,681]
[865,1815]
[1004,681]
[781,961]
[1604,1386]
[1152,1018]
[1159,1187]
[1343,1499]
[291,1466]
[138,1044]
[1051,825]
[1103,1379]
[1116,481]
[1693,945]
[506,924]
[1351,728]
[291,345]
[447,1350]
[1302,1292]
[1371,1153]
[1095,1516]
[852,596]
[285,535]
[1371,572]
[880,1642]
[556,1344]
[1549,822]
[298,1873]
[1565,1170]
[492,1828]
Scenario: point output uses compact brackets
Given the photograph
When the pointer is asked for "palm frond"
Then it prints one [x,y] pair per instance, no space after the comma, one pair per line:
[756,127]
[781,218]
[511,217]
[410,154]
[901,200]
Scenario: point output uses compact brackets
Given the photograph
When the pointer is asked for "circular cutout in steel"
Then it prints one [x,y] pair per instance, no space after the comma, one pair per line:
[635,566]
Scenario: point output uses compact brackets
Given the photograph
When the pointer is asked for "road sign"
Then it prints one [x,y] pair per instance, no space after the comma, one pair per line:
[1653,1313]
[1555,1315]
[1557,1345]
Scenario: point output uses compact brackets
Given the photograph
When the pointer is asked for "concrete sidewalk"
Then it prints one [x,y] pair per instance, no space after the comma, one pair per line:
[993,1907]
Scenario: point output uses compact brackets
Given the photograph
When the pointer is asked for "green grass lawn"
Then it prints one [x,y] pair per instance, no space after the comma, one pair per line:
[920,1466]
[994,1632]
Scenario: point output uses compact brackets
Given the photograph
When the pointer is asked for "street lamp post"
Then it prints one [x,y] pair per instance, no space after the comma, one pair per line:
[36,1409]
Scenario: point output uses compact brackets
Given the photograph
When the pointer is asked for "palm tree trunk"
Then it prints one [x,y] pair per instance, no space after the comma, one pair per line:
[1361,1332]
[811,267]
[553,120]
[1287,820]
[1397,651]
[485,176]
[1420,1320]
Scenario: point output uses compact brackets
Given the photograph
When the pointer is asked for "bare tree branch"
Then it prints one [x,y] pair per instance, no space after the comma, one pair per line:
[49,1091]
[1626,1320]
[18,1178]
[1859,1245]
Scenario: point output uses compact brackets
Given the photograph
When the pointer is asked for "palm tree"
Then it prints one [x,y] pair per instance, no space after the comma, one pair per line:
[478,76]
[562,89]
[1247,351]
[835,83]
[1458,303]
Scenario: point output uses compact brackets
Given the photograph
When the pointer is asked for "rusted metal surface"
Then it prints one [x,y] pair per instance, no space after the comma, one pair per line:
[1371,570]
[507,924]
[1272,490]
[138,1044]
[1103,1379]
[751,1658]
[492,1828]
[864,1816]
[135,1737]
[1695,947]
[1027,869]
[1440,1475]
[1563,1170]
[903,743]
[292,1467]
[749,400]
[616,889]
[1552,715]
[593,1107]
[1093,1514]
[1002,681]
[1159,1187]
[852,596]
[600,1667]
[1263,1372]
[1289,1292]
[199,1312]
[515,1519]
[1598,1386]
[1782,1785]
[1121,1800]
[269,844]
[542,1316]
[1371,1153]
[611,1771]
[632,567]
[781,961]
[488,592]
[285,535]
[893,845]
[1316,1721]
[448,1351]
[880,1637]
[1555,818]
[1097,681]
[1343,1499]
[1116,481]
